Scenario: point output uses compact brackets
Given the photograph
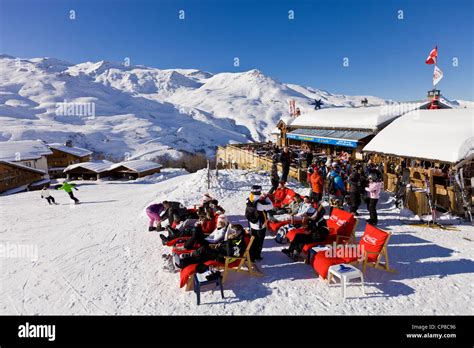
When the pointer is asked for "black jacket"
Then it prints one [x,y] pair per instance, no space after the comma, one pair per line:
[231,247]
[274,173]
[354,182]
[285,158]
[175,208]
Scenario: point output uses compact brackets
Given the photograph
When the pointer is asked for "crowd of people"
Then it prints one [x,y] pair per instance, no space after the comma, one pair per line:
[337,178]
[208,235]
[205,230]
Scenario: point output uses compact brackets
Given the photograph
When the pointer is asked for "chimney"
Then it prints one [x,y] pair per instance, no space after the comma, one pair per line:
[69,143]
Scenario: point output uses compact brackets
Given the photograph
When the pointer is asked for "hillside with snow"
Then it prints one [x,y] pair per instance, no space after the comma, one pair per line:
[98,258]
[144,112]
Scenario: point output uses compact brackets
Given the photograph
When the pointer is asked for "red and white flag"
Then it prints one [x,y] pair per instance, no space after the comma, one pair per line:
[437,75]
[433,56]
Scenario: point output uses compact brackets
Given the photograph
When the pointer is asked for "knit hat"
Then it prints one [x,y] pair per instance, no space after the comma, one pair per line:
[206,198]
[256,189]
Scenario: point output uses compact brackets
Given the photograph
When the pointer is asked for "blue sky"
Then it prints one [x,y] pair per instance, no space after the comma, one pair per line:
[386,54]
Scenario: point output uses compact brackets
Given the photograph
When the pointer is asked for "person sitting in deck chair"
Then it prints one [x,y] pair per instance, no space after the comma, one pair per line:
[210,205]
[198,236]
[306,209]
[179,228]
[318,232]
[287,212]
[234,245]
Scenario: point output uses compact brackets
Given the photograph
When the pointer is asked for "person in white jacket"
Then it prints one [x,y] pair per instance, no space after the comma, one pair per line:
[220,233]
[373,190]
[256,213]
[46,194]
[306,208]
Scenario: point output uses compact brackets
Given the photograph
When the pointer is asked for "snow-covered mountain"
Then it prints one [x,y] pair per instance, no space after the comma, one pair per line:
[141,111]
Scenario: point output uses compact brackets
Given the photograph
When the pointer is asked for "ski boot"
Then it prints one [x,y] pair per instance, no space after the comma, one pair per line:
[164,240]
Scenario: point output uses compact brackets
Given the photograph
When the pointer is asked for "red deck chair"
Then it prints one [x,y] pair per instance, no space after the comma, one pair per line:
[287,195]
[341,224]
[373,246]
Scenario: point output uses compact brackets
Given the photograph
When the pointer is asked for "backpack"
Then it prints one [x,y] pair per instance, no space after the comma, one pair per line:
[280,237]
[251,212]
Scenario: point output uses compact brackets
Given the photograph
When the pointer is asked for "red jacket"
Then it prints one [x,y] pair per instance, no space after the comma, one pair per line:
[316,182]
[209,226]
[280,195]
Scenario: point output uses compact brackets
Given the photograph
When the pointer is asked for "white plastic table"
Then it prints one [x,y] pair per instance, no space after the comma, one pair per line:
[346,276]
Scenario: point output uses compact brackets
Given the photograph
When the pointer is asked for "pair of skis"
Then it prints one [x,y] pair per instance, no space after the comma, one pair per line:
[466,199]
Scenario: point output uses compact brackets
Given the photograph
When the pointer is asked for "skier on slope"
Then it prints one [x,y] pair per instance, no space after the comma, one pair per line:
[46,194]
[67,187]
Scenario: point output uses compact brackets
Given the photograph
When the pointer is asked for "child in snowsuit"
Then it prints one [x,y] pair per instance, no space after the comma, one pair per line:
[154,211]
[47,195]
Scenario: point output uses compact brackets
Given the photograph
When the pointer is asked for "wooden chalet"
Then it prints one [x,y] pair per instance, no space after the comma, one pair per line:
[431,146]
[23,165]
[63,155]
[18,177]
[133,169]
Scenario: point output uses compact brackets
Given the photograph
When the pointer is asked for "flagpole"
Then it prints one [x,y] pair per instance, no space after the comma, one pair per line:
[436,64]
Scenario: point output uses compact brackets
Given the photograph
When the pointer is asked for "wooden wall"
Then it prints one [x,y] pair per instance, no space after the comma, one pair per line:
[443,195]
[12,177]
[244,159]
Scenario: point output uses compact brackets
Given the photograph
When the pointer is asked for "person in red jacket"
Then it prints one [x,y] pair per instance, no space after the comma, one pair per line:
[317,184]
[280,194]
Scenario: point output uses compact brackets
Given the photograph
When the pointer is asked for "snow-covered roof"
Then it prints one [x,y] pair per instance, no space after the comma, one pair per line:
[23,150]
[446,135]
[21,166]
[276,131]
[96,166]
[138,166]
[354,118]
[285,119]
[76,151]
